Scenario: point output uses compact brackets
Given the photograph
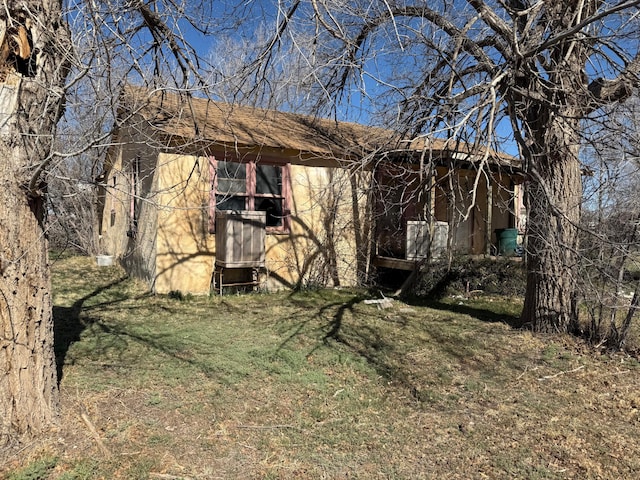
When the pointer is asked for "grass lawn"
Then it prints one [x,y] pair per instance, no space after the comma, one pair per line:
[320,385]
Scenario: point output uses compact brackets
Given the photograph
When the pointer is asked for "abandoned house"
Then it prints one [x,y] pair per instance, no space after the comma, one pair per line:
[197,195]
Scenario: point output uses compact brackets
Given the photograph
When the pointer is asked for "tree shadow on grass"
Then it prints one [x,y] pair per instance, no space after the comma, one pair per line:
[478,312]
[111,337]
[68,323]
[371,341]
[362,339]
[332,328]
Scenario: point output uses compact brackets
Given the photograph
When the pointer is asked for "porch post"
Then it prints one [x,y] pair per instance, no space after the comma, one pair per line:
[489,216]
[430,205]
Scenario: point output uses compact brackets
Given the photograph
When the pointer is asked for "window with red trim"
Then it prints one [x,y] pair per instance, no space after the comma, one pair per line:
[251,186]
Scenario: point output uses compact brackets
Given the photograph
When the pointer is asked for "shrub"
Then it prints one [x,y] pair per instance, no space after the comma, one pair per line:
[500,276]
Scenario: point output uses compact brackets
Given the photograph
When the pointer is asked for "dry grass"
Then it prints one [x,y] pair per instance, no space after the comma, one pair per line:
[320,385]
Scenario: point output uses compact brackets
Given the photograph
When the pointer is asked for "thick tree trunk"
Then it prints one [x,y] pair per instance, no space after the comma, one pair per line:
[28,390]
[33,67]
[554,196]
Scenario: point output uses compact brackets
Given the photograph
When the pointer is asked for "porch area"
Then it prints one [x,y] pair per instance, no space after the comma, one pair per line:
[452,211]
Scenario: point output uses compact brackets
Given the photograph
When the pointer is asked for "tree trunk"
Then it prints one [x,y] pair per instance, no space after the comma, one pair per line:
[32,76]
[28,390]
[554,197]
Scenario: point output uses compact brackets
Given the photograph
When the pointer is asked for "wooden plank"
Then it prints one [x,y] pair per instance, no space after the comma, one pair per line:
[394,263]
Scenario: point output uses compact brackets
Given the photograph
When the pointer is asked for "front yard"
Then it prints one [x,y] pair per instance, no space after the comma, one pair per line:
[319,384]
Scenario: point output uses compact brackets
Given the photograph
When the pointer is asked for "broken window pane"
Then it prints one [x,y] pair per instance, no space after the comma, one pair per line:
[268,179]
[273,209]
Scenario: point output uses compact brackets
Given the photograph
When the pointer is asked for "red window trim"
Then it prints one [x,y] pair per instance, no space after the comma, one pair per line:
[251,191]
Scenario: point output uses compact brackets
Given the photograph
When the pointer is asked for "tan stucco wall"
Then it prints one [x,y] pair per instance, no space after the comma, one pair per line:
[308,254]
[113,229]
[135,252]
[321,247]
[173,249]
[504,204]
[184,247]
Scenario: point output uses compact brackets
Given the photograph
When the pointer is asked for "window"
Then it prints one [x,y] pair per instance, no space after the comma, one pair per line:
[231,187]
[268,196]
[251,186]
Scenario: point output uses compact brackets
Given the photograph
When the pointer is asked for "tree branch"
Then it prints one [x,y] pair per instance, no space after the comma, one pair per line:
[605,91]
[490,17]
[575,29]
[162,33]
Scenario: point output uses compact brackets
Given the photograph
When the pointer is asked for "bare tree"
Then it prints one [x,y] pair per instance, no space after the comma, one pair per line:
[475,69]
[72,199]
[290,87]
[60,56]
[609,280]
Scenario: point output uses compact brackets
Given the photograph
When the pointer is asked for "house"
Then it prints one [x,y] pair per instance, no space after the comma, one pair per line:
[196,194]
